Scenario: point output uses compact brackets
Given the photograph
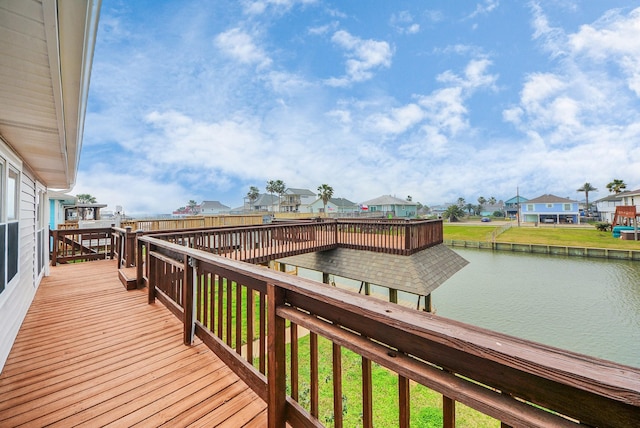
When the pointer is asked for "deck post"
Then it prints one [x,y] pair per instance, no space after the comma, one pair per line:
[54,251]
[276,371]
[189,281]
[448,412]
[139,259]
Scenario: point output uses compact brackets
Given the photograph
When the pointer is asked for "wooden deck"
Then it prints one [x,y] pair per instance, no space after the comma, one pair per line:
[90,353]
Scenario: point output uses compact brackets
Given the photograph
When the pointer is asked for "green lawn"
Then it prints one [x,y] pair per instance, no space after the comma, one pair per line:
[563,236]
[426,405]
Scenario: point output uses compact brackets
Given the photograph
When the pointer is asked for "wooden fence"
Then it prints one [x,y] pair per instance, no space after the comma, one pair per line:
[241,312]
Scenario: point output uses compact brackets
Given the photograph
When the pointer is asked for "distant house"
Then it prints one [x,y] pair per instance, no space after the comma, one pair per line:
[391,206]
[511,205]
[213,208]
[550,209]
[438,210]
[606,207]
[264,202]
[297,200]
[489,210]
[58,204]
[334,206]
[631,198]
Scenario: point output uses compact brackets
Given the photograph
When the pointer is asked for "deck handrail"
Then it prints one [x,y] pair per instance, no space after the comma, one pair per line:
[518,382]
[72,245]
[259,244]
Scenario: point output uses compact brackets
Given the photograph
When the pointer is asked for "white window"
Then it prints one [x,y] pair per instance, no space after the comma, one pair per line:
[9,226]
[567,207]
[549,205]
[530,207]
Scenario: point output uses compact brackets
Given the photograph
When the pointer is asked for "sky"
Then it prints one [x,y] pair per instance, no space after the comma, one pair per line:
[435,100]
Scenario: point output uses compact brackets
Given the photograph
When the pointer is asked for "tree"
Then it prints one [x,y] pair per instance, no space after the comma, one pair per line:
[192,206]
[277,187]
[325,192]
[470,208]
[453,213]
[85,198]
[492,200]
[616,186]
[586,188]
[409,198]
[481,202]
[252,195]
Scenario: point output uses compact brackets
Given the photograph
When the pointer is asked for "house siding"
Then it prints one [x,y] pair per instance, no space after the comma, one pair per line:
[19,293]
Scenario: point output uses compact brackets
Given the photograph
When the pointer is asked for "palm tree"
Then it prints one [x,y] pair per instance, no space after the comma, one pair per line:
[481,202]
[460,202]
[492,200]
[469,208]
[586,188]
[85,198]
[277,187]
[325,192]
[252,195]
[409,198]
[192,206]
[453,213]
[616,186]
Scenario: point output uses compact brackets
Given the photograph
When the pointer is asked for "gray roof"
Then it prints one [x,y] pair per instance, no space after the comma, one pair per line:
[419,274]
[301,192]
[342,202]
[549,199]
[388,200]
[265,200]
[213,205]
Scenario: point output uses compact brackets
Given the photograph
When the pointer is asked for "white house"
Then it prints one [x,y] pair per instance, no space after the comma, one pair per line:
[297,200]
[631,198]
[45,64]
[334,206]
[606,207]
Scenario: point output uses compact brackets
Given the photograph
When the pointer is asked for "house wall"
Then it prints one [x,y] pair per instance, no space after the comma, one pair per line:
[532,212]
[18,293]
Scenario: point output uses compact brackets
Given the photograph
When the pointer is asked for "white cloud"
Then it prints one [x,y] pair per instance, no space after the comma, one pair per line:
[614,38]
[258,7]
[363,56]
[484,8]
[403,23]
[240,45]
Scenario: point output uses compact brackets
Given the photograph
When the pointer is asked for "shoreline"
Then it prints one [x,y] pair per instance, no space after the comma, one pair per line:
[555,250]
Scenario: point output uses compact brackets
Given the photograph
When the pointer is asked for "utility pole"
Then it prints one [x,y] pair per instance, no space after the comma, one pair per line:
[518,204]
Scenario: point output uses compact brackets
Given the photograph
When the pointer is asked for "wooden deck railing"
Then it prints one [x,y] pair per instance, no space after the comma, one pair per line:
[259,244]
[81,245]
[241,312]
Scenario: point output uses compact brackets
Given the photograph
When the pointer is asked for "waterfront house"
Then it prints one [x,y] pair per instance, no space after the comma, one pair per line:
[45,68]
[263,203]
[388,205]
[335,206]
[297,200]
[213,208]
[606,207]
[511,206]
[631,198]
[550,209]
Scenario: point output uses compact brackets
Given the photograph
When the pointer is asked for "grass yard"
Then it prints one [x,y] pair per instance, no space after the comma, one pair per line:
[426,405]
[562,236]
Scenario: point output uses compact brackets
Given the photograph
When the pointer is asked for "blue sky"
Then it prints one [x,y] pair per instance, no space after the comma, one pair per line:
[437,100]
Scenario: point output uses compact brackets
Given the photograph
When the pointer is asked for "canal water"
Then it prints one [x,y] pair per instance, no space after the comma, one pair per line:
[586,305]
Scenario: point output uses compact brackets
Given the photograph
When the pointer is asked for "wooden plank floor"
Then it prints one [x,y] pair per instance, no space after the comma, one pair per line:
[90,353]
